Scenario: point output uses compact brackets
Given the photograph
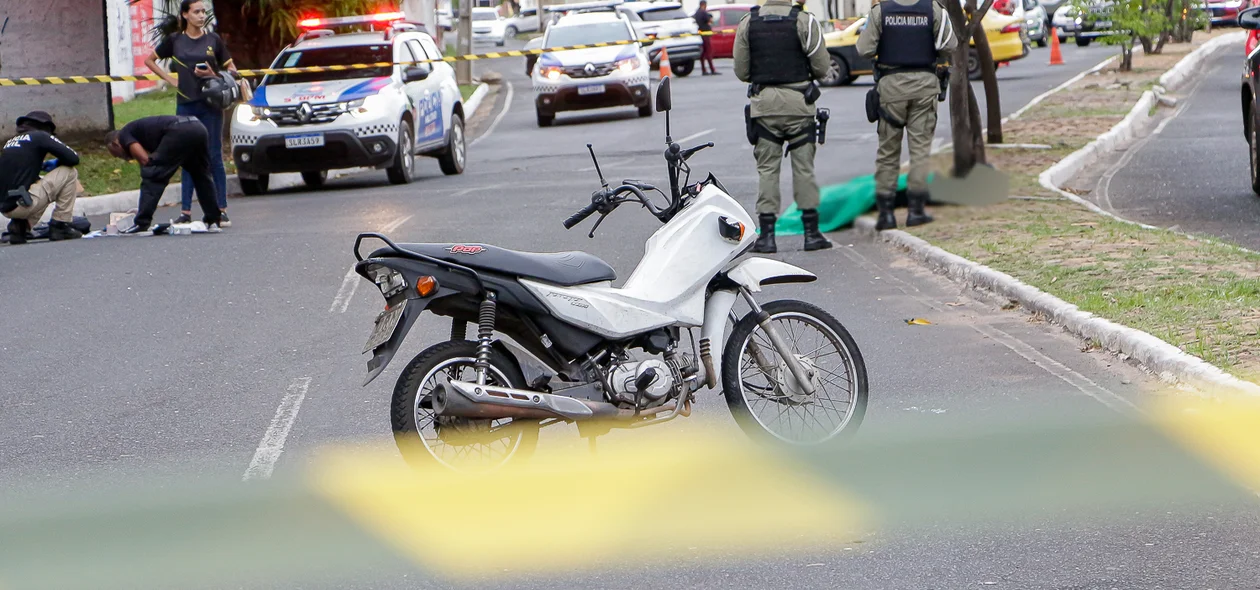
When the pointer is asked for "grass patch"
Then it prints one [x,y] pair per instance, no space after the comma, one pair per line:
[1200,295]
[467,90]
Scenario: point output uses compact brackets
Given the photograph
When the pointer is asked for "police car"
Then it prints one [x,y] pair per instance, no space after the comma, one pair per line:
[598,77]
[380,117]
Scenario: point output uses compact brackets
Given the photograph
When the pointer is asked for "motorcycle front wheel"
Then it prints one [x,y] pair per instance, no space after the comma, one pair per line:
[765,397]
[461,444]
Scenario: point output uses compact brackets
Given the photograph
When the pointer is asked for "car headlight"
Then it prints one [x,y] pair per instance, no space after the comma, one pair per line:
[370,106]
[249,115]
[1078,20]
[628,64]
[551,72]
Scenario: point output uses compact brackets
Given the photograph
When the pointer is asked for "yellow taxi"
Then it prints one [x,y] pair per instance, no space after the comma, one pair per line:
[1005,34]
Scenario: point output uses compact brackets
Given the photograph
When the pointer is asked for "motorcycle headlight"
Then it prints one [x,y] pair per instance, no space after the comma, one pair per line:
[370,106]
[628,64]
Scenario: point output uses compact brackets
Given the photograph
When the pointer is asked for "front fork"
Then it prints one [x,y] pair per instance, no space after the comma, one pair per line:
[721,306]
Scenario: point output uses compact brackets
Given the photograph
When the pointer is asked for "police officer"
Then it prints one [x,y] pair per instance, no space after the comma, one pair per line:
[906,38]
[24,196]
[780,51]
[161,145]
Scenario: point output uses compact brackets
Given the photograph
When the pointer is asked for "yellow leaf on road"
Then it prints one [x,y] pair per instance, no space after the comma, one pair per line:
[918,322]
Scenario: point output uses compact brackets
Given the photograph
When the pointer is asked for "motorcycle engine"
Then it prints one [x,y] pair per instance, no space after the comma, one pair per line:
[624,377]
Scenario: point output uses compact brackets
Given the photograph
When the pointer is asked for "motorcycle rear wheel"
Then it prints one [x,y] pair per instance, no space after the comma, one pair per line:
[768,403]
[461,444]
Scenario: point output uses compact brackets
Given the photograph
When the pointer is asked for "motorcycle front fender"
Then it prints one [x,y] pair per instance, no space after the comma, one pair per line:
[383,354]
[753,273]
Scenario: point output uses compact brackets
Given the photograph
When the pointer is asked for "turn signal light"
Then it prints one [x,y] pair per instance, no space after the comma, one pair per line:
[426,286]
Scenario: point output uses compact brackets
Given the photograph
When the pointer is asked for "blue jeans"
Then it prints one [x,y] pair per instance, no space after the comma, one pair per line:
[212,118]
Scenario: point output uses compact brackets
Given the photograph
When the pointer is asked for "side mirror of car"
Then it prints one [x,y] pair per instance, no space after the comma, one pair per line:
[417,72]
[1250,19]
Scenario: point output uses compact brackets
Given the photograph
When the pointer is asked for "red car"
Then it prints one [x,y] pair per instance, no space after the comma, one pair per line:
[726,19]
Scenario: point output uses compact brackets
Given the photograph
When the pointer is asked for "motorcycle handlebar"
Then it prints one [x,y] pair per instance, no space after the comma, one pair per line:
[581,215]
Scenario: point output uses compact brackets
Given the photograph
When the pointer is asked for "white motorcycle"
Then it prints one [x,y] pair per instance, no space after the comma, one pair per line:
[607,357]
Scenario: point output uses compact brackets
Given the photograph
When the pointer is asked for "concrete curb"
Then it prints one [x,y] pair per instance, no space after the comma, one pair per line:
[1168,362]
[128,200]
[1126,130]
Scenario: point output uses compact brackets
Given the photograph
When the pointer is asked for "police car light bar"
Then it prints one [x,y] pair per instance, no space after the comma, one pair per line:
[380,17]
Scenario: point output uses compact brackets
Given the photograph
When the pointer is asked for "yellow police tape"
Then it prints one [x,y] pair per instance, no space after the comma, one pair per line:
[664,499]
[59,80]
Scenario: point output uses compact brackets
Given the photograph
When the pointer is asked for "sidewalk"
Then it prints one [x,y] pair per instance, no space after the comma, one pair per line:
[1201,296]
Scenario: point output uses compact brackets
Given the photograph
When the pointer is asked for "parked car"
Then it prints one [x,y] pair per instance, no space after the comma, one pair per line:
[1249,19]
[525,22]
[1036,23]
[666,19]
[1225,12]
[1086,27]
[726,19]
[488,27]
[1004,33]
[313,122]
[446,21]
[579,79]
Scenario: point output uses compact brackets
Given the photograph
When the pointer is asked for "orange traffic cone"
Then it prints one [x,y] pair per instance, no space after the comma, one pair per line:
[1056,57]
[665,71]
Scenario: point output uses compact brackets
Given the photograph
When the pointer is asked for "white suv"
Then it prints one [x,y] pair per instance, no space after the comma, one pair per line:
[599,77]
[666,19]
[380,117]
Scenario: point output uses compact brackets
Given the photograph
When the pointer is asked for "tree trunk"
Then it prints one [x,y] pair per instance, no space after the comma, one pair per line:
[1126,56]
[977,134]
[1147,45]
[993,103]
[964,113]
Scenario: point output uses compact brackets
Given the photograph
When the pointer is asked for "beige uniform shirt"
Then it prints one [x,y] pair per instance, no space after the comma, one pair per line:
[784,101]
[908,85]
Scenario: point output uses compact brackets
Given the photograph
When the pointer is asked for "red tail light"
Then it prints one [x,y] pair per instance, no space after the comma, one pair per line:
[1012,28]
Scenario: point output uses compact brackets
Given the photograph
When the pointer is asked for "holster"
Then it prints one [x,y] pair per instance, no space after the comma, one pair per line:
[874,110]
[820,124]
[942,74]
[750,126]
[18,197]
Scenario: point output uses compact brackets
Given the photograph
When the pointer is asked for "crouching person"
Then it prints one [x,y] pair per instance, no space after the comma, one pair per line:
[162,145]
[24,196]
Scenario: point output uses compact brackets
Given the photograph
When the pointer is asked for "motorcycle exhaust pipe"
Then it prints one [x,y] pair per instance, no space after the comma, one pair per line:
[461,399]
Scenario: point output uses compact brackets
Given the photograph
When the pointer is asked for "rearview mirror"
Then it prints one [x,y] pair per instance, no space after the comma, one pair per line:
[1250,18]
[664,101]
[417,73]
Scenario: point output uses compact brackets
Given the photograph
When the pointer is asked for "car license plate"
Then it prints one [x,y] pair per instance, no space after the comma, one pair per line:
[386,323]
[304,141]
[592,89]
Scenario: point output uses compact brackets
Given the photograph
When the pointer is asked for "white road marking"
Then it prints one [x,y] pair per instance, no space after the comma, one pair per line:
[1085,385]
[272,444]
[696,135]
[350,283]
[507,104]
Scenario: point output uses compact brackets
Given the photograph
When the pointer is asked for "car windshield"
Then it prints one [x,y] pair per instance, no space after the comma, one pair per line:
[484,16]
[587,34]
[333,56]
[660,14]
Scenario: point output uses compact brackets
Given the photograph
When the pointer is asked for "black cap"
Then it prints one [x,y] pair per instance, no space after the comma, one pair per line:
[40,119]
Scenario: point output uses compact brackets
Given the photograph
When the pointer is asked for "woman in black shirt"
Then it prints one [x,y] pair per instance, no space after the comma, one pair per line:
[196,54]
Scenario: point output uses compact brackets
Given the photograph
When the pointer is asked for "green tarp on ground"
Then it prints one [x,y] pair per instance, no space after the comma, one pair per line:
[839,205]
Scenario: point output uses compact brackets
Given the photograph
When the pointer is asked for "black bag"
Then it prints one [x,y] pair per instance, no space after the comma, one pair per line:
[872,105]
[812,93]
[750,126]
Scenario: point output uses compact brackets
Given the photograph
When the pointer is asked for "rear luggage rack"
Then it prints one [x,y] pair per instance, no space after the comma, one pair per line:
[414,256]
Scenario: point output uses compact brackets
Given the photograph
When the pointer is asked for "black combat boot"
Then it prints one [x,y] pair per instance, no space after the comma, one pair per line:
[886,220]
[17,231]
[814,240]
[60,230]
[765,241]
[917,216]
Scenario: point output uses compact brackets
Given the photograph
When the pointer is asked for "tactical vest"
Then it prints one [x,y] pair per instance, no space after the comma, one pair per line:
[775,49]
[905,39]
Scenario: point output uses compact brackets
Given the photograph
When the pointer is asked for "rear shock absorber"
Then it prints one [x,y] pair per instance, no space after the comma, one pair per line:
[485,329]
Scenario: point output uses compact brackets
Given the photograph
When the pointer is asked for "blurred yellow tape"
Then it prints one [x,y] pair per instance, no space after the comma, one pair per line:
[1226,435]
[567,510]
[59,80]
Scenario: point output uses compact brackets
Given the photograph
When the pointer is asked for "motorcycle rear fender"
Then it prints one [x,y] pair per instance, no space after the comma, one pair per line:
[754,273]
[383,354]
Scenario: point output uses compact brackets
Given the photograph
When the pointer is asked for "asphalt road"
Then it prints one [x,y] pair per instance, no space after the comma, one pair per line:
[127,354]
[1192,175]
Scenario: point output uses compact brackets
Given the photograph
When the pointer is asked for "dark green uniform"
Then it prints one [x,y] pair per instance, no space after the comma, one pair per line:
[910,97]
[781,110]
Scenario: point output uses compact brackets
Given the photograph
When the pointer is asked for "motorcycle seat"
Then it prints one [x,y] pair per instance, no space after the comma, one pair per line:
[565,269]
